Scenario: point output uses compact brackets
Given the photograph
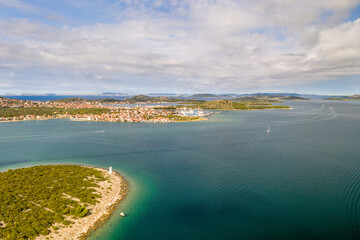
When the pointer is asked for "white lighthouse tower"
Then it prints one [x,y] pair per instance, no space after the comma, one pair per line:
[110,170]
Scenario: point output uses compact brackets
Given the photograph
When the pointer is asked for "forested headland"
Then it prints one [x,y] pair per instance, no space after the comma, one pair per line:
[37,200]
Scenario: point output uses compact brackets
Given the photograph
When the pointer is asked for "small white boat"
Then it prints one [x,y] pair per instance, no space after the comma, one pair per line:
[122,214]
[268,130]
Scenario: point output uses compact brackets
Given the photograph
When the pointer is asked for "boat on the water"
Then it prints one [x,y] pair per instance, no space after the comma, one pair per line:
[122,214]
[268,130]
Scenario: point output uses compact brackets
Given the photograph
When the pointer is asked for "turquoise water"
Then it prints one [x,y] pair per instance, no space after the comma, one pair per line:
[220,179]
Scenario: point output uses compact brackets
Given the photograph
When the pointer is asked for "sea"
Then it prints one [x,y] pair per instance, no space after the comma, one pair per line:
[225,178]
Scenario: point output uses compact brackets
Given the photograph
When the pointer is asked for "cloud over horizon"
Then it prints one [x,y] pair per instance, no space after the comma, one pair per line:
[197,45]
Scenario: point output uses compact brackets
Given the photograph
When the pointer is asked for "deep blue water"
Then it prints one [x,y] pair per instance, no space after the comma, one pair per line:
[225,178]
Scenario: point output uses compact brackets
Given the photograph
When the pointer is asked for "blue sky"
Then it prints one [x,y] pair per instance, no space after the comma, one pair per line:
[179,46]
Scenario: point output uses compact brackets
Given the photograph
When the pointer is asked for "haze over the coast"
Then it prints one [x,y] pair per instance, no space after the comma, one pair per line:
[180,46]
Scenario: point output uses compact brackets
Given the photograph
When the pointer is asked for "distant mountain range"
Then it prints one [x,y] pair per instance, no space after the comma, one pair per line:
[194,98]
[275,97]
[172,97]
[209,95]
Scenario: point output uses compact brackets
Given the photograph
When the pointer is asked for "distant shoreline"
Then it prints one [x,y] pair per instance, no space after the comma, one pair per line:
[341,99]
[79,109]
[189,120]
[254,109]
[86,120]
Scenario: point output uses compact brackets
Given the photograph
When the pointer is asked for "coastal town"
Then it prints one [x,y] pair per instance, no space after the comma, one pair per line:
[92,110]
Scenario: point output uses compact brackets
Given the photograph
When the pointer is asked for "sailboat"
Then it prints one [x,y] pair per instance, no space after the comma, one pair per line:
[268,130]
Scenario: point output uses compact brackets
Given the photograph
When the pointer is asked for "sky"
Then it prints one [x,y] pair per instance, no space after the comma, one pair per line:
[180,46]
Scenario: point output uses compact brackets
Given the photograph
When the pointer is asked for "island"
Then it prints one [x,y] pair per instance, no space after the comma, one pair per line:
[57,201]
[147,99]
[270,97]
[236,105]
[141,99]
[206,95]
[355,97]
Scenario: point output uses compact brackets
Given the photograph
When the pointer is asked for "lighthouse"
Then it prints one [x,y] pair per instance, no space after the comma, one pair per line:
[110,170]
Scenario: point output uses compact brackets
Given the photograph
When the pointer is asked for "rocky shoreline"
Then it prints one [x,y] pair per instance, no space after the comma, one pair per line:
[101,221]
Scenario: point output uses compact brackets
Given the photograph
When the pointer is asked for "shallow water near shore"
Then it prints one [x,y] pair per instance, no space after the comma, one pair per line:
[225,178]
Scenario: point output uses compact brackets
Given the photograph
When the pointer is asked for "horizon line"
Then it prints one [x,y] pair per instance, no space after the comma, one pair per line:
[160,93]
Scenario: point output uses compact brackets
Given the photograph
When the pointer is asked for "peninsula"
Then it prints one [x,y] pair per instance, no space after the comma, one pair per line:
[139,108]
[57,201]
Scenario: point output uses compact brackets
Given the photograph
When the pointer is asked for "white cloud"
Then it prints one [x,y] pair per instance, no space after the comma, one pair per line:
[5,85]
[19,5]
[230,45]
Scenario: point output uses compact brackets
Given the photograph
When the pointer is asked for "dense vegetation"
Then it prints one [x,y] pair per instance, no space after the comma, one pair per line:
[294,98]
[232,105]
[15,112]
[108,100]
[35,199]
[177,118]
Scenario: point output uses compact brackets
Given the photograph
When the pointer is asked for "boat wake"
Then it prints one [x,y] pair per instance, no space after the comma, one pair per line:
[318,115]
